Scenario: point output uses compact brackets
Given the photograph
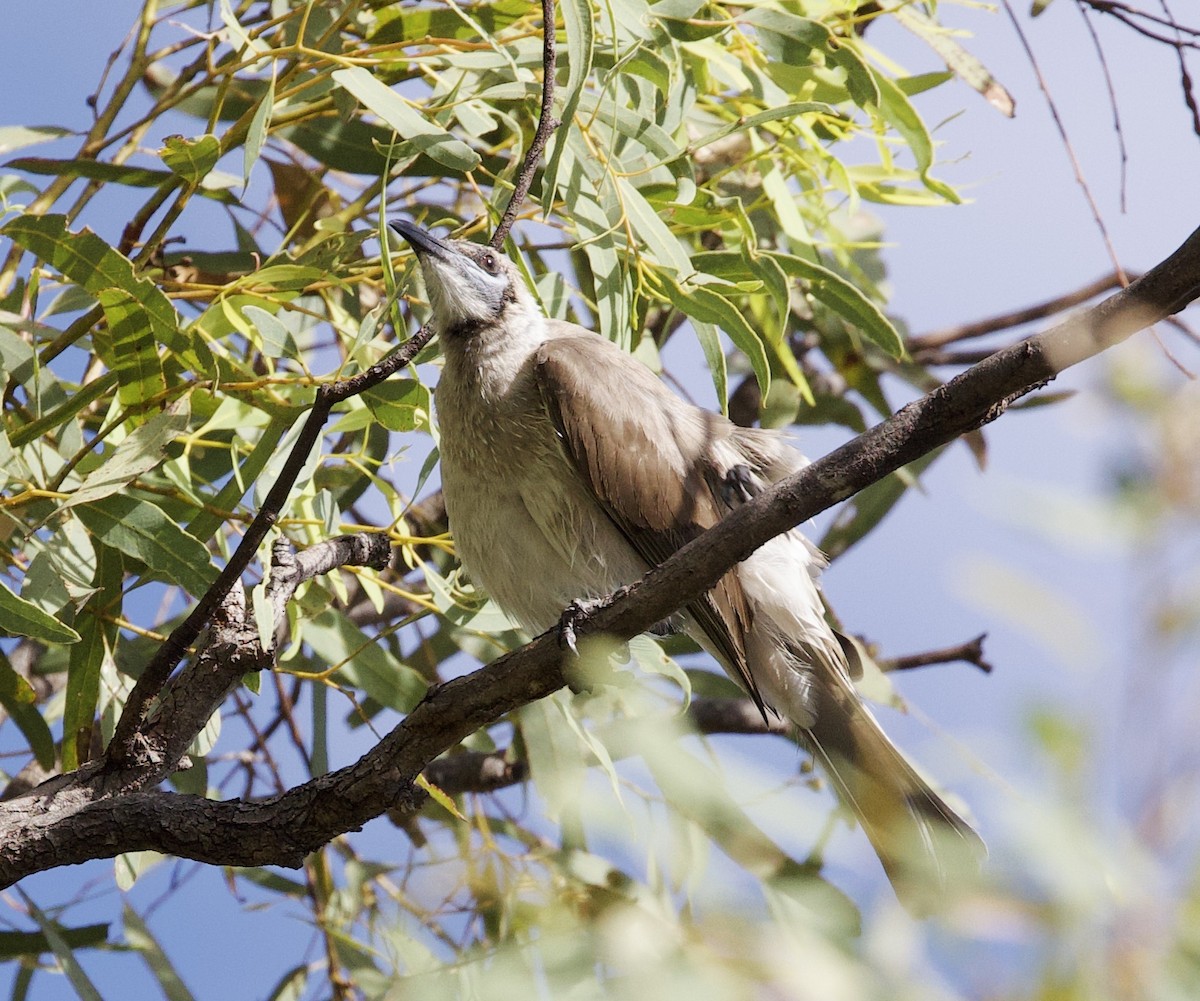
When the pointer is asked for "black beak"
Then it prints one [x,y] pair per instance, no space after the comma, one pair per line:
[422,241]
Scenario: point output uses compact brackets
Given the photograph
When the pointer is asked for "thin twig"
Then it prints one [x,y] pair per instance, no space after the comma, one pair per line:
[1017,317]
[1118,131]
[970,652]
[1052,107]
[545,128]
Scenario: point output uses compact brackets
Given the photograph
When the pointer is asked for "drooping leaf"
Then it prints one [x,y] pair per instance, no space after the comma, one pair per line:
[144,449]
[581,44]
[256,135]
[845,299]
[414,128]
[98,632]
[143,530]
[19,617]
[20,702]
[63,947]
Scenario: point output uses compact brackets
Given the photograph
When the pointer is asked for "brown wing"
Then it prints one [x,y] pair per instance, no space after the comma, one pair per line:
[646,456]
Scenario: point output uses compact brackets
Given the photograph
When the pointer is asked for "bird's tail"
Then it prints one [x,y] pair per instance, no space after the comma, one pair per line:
[926,848]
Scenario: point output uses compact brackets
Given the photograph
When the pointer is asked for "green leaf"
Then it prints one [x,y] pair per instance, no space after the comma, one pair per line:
[903,117]
[98,634]
[439,797]
[205,523]
[191,159]
[138,314]
[704,304]
[143,530]
[20,702]
[364,662]
[969,69]
[714,358]
[845,299]
[19,617]
[273,334]
[413,127]
[13,137]
[215,186]
[139,936]
[22,944]
[256,135]
[800,37]
[242,42]
[399,404]
[128,347]
[144,449]
[754,121]
[653,233]
[63,949]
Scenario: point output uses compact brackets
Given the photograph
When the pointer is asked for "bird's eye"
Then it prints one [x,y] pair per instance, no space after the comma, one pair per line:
[489,262]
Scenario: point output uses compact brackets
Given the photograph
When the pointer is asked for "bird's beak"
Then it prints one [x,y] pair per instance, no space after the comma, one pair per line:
[423,241]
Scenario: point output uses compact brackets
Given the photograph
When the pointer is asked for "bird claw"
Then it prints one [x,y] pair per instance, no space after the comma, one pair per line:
[578,609]
[739,485]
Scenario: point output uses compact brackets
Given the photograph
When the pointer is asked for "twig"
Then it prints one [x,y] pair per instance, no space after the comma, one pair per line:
[1016,317]
[1118,131]
[970,652]
[1060,125]
[545,128]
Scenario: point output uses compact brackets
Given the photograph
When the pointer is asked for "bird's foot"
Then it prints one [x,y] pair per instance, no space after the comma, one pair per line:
[585,672]
[739,485]
[580,608]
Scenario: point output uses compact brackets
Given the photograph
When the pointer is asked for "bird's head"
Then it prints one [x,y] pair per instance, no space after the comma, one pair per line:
[470,285]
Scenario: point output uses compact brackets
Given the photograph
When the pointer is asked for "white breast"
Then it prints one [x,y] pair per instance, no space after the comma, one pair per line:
[524,526]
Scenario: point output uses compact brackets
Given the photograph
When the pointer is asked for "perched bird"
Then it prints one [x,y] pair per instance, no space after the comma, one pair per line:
[568,469]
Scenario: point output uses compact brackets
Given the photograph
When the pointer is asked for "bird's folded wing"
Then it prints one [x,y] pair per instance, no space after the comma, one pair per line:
[647,459]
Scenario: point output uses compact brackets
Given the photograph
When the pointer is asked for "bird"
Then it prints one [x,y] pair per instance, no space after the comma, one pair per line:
[569,469]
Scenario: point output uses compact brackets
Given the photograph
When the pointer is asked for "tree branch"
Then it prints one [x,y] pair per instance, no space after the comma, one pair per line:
[922,343]
[970,652]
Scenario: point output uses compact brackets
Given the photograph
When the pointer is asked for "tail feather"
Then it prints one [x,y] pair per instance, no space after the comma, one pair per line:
[925,846]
